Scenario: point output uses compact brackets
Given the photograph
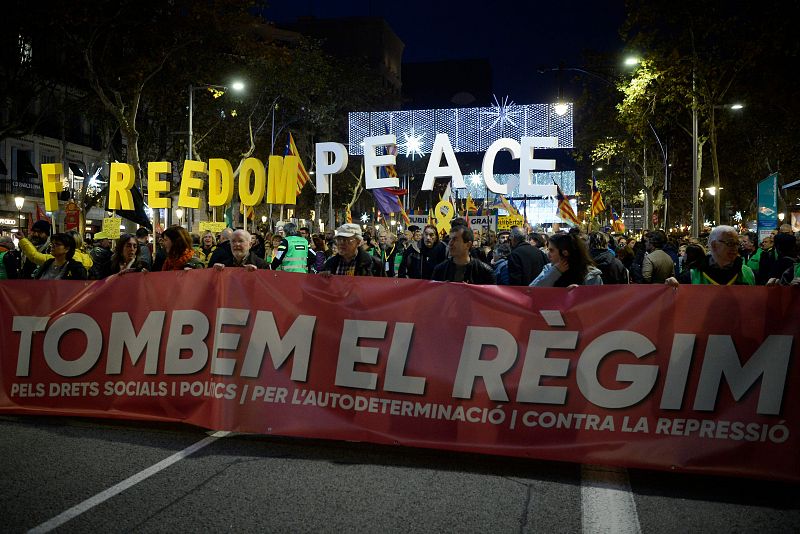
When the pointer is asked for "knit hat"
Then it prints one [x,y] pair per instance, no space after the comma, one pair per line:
[42,226]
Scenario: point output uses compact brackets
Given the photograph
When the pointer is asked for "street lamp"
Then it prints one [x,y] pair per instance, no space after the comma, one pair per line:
[179,215]
[236,86]
[19,201]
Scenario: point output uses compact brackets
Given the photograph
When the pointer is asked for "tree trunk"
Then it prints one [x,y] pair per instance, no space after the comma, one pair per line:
[715,167]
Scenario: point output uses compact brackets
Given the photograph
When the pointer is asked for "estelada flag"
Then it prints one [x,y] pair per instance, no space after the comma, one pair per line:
[564,208]
[617,224]
[597,199]
[302,175]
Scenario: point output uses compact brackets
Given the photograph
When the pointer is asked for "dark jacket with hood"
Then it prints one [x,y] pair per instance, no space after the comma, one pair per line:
[614,272]
[524,264]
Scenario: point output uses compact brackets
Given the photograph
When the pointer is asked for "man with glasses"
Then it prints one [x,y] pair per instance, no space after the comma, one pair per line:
[350,260]
[722,266]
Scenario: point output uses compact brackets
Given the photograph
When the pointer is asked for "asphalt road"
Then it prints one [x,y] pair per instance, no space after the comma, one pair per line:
[82,475]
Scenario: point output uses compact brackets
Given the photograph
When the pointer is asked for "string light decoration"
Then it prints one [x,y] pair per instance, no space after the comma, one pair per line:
[469,129]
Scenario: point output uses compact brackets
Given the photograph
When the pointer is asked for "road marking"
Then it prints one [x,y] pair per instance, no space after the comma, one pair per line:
[607,503]
[129,482]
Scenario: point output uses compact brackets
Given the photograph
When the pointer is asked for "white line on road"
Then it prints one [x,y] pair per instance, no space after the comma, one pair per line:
[129,482]
[607,503]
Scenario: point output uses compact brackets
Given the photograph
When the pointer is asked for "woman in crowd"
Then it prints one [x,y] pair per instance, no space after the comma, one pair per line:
[614,272]
[125,258]
[276,242]
[208,244]
[29,250]
[61,266]
[178,248]
[570,264]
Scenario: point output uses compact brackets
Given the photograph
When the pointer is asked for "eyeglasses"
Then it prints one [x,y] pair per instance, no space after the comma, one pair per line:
[730,243]
[340,240]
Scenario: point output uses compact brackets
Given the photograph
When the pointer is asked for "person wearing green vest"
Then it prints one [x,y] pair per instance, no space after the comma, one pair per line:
[723,266]
[293,254]
[387,252]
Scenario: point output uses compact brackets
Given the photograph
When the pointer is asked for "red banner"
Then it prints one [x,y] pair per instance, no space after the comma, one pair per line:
[695,379]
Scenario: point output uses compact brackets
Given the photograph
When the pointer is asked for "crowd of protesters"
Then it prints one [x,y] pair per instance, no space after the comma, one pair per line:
[515,257]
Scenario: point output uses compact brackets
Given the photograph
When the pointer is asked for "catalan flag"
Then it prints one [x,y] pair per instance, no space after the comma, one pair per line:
[597,199]
[506,205]
[564,208]
[617,224]
[247,211]
[302,175]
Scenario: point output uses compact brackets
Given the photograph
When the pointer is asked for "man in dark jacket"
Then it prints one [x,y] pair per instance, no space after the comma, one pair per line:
[101,256]
[420,258]
[40,237]
[460,267]
[525,261]
[222,253]
[350,259]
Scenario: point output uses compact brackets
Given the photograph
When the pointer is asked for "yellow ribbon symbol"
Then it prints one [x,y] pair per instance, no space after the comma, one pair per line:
[444,211]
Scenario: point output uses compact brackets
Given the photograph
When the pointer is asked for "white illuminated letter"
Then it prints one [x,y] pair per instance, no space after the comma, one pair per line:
[373,161]
[488,163]
[528,164]
[327,168]
[442,146]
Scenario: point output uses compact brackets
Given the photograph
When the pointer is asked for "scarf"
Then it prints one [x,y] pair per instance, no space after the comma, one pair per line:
[171,264]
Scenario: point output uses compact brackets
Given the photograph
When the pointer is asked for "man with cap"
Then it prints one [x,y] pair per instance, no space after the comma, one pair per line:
[40,237]
[350,259]
[101,256]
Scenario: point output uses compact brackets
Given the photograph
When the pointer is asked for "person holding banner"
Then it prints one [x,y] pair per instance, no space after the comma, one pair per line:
[126,257]
[350,260]
[241,254]
[61,266]
[38,258]
[179,251]
[570,264]
[460,266]
[723,266]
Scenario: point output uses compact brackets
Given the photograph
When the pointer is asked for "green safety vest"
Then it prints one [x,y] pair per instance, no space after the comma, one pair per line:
[753,262]
[746,276]
[296,258]
[797,270]
[3,273]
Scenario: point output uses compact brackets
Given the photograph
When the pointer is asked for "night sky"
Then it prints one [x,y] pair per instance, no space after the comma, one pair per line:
[517,37]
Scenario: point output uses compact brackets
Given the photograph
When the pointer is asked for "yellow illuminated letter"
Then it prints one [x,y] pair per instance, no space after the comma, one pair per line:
[155,186]
[119,186]
[290,164]
[189,183]
[52,182]
[254,196]
[275,186]
[220,182]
